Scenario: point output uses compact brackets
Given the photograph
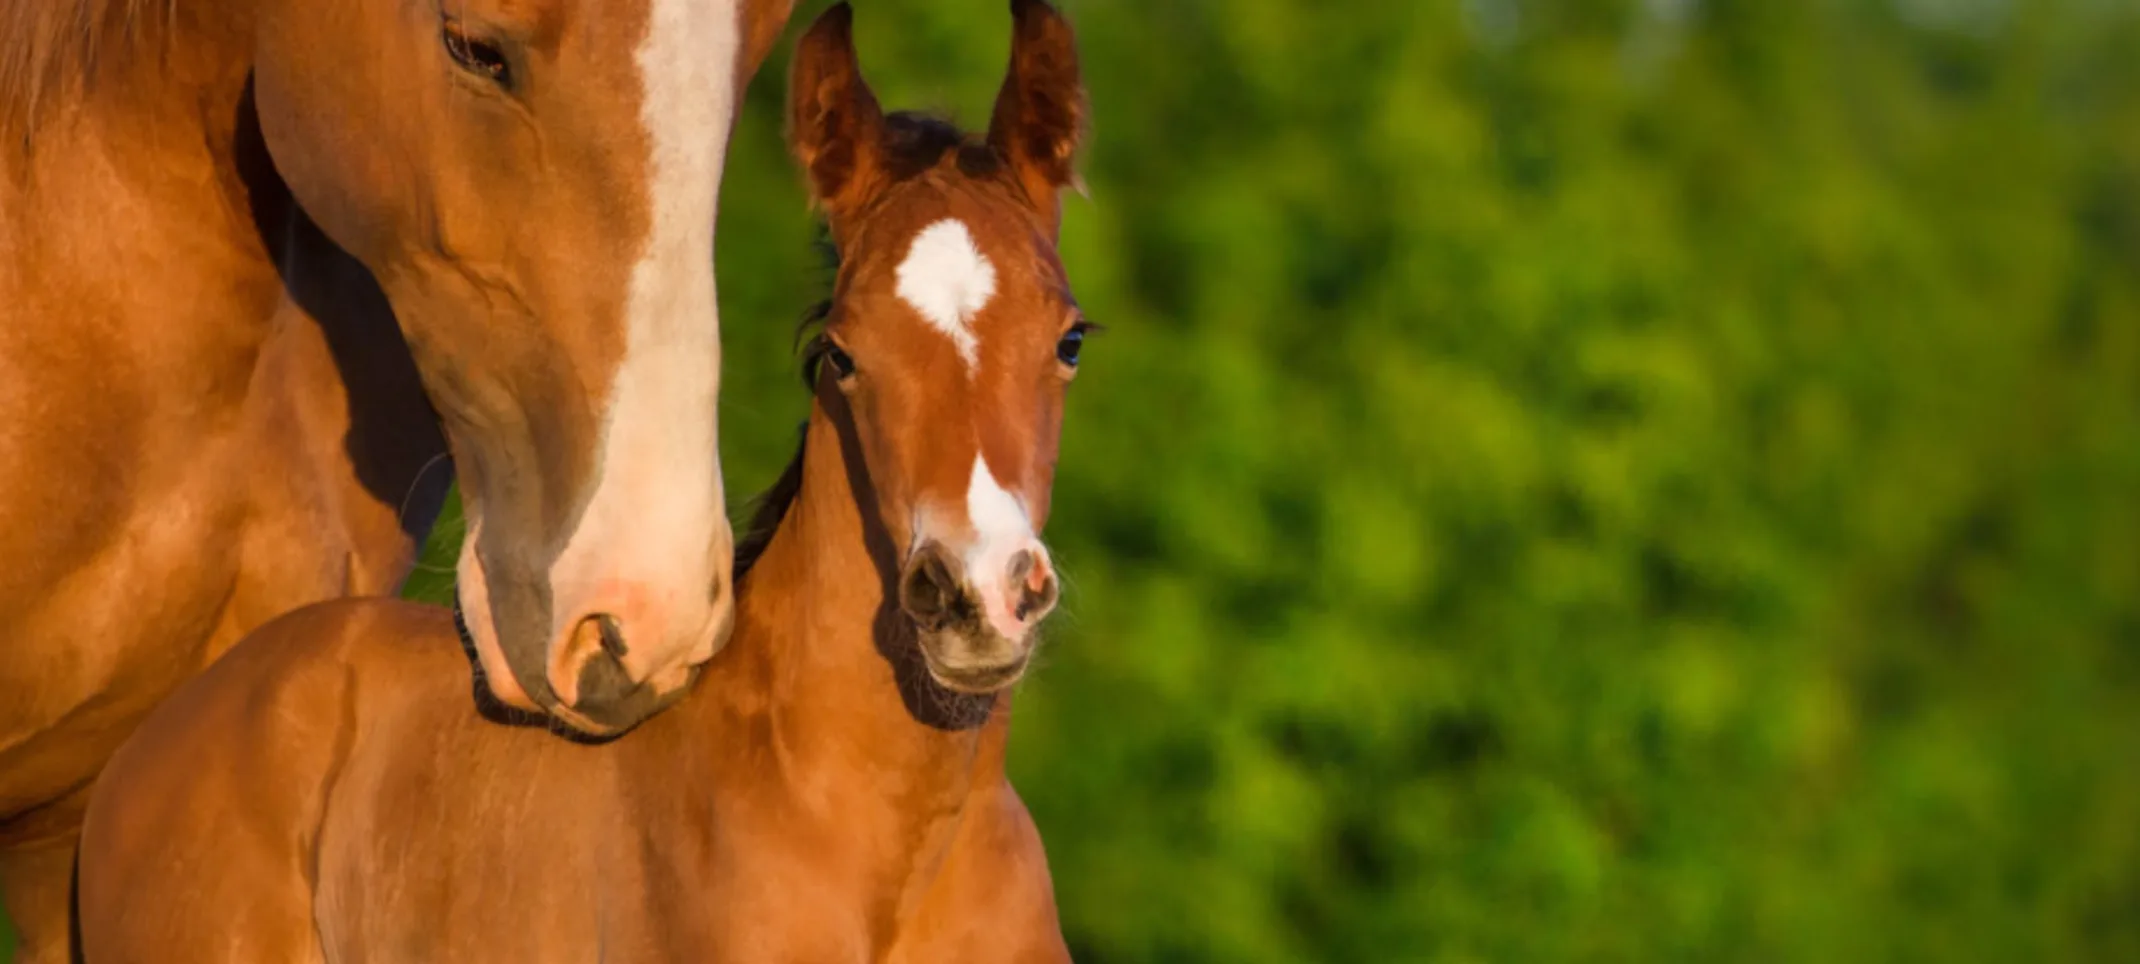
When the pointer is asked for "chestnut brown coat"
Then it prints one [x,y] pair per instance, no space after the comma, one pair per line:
[833,787]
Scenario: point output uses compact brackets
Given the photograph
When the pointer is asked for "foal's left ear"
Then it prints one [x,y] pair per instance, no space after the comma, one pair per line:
[1040,113]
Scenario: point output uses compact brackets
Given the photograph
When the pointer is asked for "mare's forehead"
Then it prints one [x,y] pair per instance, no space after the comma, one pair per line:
[599,27]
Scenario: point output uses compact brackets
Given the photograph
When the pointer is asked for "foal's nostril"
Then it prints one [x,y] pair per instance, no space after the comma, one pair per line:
[1033,601]
[929,592]
[1036,585]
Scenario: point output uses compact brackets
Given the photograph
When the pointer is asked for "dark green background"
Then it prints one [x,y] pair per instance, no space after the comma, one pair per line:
[1569,480]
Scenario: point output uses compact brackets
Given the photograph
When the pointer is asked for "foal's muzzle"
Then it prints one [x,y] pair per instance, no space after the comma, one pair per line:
[976,634]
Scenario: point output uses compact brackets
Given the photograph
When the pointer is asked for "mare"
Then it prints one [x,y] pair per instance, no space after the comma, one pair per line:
[264,264]
[832,789]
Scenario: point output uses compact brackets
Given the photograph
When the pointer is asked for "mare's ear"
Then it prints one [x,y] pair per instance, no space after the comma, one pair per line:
[835,128]
[762,23]
[1040,112]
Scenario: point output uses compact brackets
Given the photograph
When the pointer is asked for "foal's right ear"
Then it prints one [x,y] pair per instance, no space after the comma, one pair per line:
[835,128]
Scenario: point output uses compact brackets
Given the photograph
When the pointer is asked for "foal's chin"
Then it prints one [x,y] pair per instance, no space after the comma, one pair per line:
[976,664]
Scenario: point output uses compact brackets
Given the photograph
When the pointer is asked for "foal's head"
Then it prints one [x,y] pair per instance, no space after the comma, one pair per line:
[952,334]
[533,183]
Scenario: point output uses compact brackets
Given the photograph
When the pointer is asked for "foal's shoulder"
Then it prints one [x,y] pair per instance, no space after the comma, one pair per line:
[234,769]
[994,900]
[283,704]
[363,640]
[301,672]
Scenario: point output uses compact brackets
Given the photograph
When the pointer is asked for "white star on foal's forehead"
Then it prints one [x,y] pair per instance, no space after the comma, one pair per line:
[948,280]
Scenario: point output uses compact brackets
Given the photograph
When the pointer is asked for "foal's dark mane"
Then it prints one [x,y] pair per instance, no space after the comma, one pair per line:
[771,506]
[914,143]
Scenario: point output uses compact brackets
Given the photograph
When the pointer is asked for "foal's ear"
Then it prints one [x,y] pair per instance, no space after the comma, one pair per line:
[1040,113]
[835,128]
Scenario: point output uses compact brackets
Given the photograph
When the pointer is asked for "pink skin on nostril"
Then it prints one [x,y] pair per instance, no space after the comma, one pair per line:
[1031,589]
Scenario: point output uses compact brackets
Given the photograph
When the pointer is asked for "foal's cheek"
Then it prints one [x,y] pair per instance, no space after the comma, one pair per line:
[1047,439]
[894,499]
[852,411]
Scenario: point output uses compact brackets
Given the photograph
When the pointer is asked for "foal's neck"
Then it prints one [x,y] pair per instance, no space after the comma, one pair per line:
[840,677]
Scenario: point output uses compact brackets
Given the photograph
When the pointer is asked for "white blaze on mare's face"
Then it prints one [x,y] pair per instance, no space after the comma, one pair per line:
[656,514]
[947,279]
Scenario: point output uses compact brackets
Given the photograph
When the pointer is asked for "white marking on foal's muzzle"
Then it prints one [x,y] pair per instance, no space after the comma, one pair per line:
[947,279]
[1002,528]
[998,517]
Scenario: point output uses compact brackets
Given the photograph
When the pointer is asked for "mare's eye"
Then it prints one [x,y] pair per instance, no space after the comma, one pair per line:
[842,365]
[474,54]
[1073,340]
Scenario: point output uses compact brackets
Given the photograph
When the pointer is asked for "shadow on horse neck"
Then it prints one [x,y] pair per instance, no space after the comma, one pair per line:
[832,788]
[821,618]
[393,443]
[509,203]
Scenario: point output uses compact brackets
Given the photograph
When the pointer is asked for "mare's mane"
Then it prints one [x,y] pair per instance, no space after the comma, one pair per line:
[914,143]
[48,45]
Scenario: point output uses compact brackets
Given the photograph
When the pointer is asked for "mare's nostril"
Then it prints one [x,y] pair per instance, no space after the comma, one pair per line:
[603,684]
[612,636]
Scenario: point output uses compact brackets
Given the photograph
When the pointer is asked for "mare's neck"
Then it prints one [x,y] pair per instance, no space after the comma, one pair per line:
[843,685]
[273,312]
[140,104]
[159,82]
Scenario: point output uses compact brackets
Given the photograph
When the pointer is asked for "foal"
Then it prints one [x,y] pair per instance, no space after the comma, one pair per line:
[833,789]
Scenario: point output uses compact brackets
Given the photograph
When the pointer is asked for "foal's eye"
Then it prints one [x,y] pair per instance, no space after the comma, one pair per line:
[1073,341]
[842,365]
[473,54]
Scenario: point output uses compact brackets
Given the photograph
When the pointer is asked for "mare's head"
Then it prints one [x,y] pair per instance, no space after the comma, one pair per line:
[533,184]
[952,334]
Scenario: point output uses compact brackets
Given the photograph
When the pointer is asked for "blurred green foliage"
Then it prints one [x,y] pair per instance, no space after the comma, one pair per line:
[1569,481]
[1589,480]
